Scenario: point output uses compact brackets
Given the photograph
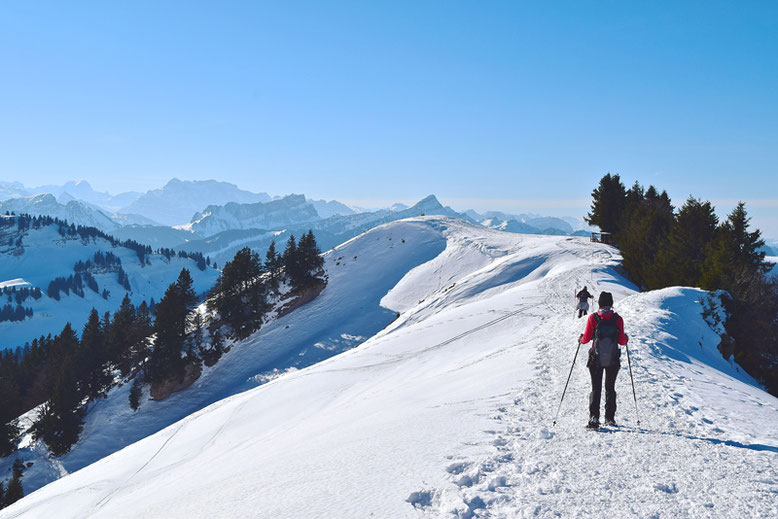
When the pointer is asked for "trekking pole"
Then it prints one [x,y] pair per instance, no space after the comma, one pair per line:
[566,383]
[634,396]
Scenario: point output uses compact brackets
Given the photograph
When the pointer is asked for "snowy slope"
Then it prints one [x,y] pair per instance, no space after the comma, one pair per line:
[360,273]
[45,255]
[446,412]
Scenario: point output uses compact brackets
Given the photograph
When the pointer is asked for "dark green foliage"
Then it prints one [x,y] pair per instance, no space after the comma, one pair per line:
[195,338]
[310,260]
[241,292]
[136,390]
[239,295]
[59,422]
[290,259]
[734,257]
[273,266]
[170,329]
[680,261]
[14,492]
[645,226]
[302,261]
[92,358]
[608,201]
[9,393]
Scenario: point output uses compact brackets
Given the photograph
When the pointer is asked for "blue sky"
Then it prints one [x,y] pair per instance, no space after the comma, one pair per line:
[505,105]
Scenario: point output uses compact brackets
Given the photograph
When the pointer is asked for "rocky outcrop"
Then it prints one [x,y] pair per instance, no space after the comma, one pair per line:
[162,390]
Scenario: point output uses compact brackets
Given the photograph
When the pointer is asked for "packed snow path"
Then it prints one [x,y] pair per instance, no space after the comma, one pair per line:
[447,412]
[706,446]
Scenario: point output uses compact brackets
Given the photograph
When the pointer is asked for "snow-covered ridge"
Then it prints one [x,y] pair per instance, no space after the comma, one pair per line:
[444,411]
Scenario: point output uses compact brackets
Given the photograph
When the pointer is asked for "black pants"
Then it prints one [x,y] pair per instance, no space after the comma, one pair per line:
[581,312]
[610,391]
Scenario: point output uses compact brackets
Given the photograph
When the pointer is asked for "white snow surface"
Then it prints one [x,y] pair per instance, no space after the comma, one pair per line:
[447,412]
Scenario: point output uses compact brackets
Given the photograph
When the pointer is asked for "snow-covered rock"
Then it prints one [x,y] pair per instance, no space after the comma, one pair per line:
[277,214]
[327,208]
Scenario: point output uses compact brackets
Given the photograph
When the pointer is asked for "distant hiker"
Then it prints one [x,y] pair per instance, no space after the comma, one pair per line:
[583,302]
[606,327]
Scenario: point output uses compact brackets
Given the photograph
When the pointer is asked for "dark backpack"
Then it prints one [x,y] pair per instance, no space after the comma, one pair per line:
[605,350]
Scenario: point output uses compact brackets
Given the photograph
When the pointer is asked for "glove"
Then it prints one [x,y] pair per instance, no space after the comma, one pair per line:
[579,338]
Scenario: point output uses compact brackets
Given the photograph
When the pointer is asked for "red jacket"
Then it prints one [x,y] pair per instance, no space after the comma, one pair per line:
[605,315]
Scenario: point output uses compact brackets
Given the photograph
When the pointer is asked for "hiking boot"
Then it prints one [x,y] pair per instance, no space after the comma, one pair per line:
[610,422]
[594,423]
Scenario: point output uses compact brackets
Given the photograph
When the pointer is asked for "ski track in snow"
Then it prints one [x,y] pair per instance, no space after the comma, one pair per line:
[447,412]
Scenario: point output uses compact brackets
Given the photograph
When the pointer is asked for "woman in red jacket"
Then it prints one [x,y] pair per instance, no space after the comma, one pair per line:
[606,327]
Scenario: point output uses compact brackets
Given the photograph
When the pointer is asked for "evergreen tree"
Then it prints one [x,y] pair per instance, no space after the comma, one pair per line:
[291,260]
[273,265]
[122,335]
[239,294]
[15,492]
[91,360]
[141,331]
[9,410]
[310,259]
[170,329]
[608,201]
[747,244]
[61,418]
[644,232]
[681,260]
[196,336]
[136,391]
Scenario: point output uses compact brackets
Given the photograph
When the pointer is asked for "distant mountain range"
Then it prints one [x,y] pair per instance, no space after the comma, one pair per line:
[179,200]
[329,232]
[218,218]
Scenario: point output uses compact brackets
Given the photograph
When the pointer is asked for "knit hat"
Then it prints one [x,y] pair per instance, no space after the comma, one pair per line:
[606,299]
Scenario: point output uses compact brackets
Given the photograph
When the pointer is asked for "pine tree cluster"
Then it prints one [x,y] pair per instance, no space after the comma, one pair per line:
[64,373]
[21,294]
[18,313]
[241,293]
[662,247]
[12,491]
